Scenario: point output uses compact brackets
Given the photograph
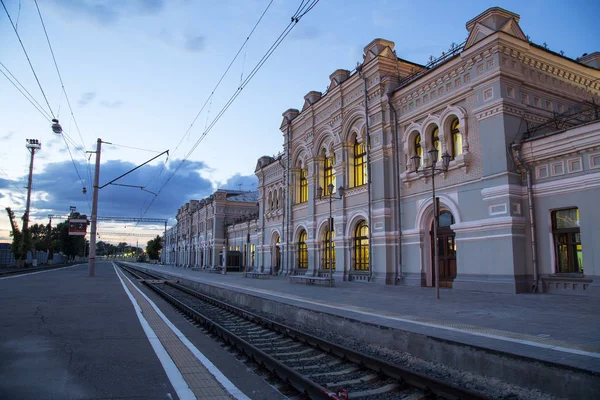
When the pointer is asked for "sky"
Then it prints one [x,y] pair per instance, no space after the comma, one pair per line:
[138,72]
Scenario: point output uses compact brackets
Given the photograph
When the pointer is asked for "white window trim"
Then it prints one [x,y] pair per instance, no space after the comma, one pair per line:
[502,209]
[591,157]
[538,175]
[554,164]
[570,163]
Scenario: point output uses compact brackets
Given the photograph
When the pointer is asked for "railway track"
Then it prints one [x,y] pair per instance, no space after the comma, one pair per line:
[28,270]
[314,367]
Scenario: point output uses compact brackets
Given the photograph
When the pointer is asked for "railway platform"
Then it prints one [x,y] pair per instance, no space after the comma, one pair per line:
[64,335]
[503,335]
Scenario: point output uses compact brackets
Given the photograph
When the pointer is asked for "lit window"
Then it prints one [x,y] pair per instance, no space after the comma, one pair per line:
[327,246]
[457,139]
[567,241]
[419,149]
[360,164]
[361,247]
[302,250]
[303,186]
[329,173]
[435,141]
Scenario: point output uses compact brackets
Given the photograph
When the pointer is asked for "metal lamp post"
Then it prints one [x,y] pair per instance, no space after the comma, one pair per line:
[433,157]
[330,187]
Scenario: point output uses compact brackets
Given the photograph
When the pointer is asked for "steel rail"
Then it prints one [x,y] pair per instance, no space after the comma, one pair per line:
[412,378]
[294,378]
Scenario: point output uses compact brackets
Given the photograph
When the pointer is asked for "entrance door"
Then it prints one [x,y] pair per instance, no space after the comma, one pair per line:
[446,250]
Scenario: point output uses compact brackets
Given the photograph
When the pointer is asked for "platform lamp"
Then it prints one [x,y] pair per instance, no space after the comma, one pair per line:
[341,191]
[433,158]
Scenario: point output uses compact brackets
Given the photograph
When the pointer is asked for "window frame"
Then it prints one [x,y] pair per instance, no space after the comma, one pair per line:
[361,246]
[326,243]
[360,164]
[573,240]
[303,193]
[328,174]
[455,134]
[302,250]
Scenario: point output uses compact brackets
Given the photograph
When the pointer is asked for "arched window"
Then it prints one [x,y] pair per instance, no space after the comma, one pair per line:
[419,149]
[435,141]
[329,173]
[360,164]
[361,247]
[279,198]
[270,199]
[445,219]
[327,246]
[303,198]
[302,250]
[457,139]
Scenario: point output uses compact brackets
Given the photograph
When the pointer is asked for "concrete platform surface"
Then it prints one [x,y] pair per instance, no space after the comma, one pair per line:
[64,335]
[552,328]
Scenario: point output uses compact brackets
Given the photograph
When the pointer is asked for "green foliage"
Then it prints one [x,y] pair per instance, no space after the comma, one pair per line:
[153,247]
[17,244]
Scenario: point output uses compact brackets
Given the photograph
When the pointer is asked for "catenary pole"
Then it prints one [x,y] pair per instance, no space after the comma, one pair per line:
[92,259]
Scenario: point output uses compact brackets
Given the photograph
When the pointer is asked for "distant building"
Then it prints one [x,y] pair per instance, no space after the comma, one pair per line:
[199,238]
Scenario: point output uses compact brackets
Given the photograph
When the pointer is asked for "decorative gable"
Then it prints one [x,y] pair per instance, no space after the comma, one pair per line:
[379,48]
[493,20]
[288,116]
[338,77]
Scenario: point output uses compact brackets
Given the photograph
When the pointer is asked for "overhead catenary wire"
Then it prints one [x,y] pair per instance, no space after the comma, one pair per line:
[209,98]
[28,96]
[64,90]
[27,56]
[301,12]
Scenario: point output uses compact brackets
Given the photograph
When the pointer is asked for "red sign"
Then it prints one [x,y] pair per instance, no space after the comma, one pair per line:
[77,227]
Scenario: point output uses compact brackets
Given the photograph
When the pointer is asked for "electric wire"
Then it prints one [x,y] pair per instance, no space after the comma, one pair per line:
[64,90]
[209,98]
[302,11]
[31,100]
[27,56]
[135,148]
[21,191]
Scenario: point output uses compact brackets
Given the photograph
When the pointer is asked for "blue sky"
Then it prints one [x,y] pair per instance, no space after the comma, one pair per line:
[138,71]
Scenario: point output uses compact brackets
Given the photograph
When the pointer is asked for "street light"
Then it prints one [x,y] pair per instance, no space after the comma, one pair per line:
[341,191]
[433,157]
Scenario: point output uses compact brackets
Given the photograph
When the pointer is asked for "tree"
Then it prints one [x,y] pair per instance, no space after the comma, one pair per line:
[153,247]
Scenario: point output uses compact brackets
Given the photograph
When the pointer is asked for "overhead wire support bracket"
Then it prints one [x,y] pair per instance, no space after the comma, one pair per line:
[130,171]
[134,186]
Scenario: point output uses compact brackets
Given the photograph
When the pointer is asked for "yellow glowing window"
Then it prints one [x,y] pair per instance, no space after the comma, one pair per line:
[457,139]
[303,186]
[361,247]
[329,174]
[302,251]
[435,141]
[328,245]
[360,164]
[419,149]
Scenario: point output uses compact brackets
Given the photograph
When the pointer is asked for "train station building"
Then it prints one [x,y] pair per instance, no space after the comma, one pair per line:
[508,131]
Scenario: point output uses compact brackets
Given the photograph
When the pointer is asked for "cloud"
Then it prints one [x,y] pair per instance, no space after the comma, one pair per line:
[111,104]
[86,98]
[109,12]
[62,189]
[195,43]
[241,182]
[9,135]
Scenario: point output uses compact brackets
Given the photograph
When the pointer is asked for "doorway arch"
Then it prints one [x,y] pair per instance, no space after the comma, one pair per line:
[446,249]
[276,253]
